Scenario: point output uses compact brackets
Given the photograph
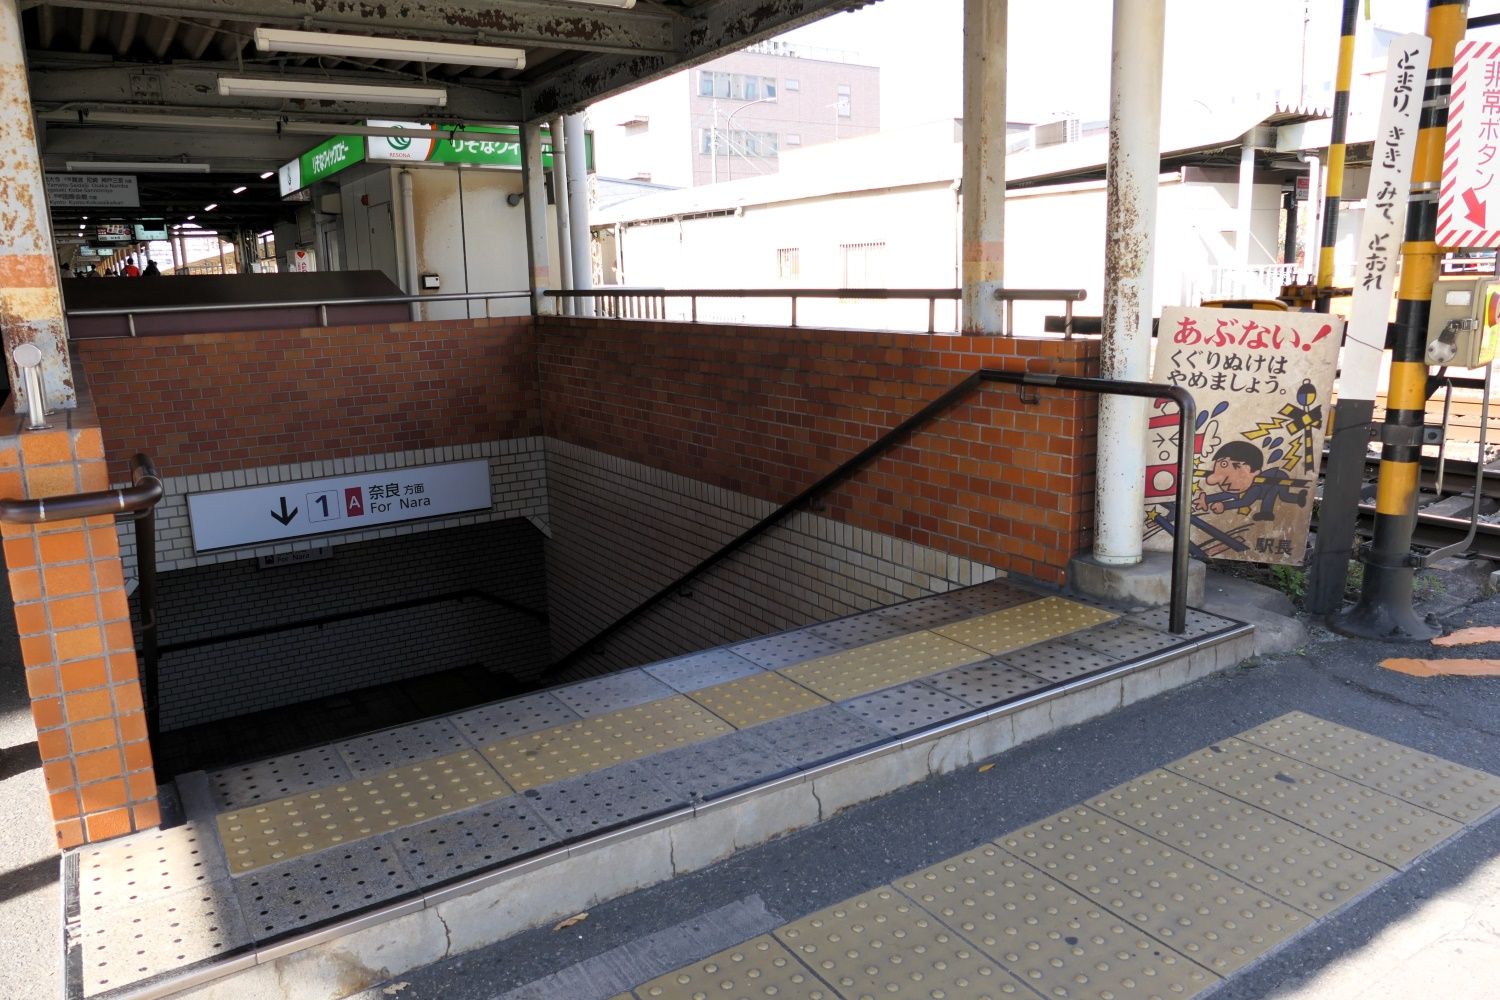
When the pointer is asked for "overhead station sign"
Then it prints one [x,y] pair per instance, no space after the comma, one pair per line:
[257,515]
[1469,206]
[321,162]
[93,191]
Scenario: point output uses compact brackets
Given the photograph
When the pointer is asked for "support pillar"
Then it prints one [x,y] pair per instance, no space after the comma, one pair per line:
[984,166]
[582,242]
[564,226]
[534,183]
[1246,203]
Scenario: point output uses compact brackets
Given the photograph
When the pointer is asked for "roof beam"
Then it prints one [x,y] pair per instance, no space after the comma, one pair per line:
[519,23]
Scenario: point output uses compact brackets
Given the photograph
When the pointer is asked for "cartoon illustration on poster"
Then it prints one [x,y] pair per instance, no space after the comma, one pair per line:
[1262,381]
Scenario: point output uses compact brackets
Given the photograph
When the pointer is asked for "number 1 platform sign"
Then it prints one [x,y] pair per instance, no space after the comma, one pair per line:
[1262,381]
[259,515]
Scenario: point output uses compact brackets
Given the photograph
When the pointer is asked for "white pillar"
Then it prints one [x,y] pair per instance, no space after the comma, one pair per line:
[578,212]
[1125,352]
[560,198]
[534,183]
[409,240]
[1246,201]
[984,165]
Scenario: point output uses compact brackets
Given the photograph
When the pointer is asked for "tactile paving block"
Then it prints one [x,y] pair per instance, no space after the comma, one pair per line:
[287,828]
[592,744]
[504,719]
[985,597]
[1125,641]
[819,735]
[1014,628]
[461,843]
[859,630]
[759,698]
[984,684]
[1199,623]
[161,935]
[1373,823]
[716,767]
[1217,921]
[1054,940]
[777,651]
[907,708]
[1057,661]
[600,800]
[761,967]
[883,944]
[1442,786]
[924,613]
[278,777]
[882,665]
[1281,859]
[302,894]
[700,670]
[147,865]
[395,748]
[612,693]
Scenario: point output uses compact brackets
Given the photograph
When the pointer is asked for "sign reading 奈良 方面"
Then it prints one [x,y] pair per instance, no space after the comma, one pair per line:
[256,515]
[1262,381]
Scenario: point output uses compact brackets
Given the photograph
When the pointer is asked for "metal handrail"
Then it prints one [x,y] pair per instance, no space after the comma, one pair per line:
[1187,416]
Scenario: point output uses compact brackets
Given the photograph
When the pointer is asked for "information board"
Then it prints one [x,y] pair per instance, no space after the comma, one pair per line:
[93,191]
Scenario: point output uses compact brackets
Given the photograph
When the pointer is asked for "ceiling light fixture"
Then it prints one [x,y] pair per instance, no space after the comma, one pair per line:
[240,190]
[622,4]
[318,43]
[316,90]
[268,175]
[190,219]
[130,166]
[210,208]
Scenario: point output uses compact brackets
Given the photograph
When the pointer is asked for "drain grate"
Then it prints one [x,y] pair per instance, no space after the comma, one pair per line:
[1125,641]
[302,894]
[906,709]
[716,767]
[161,935]
[612,693]
[756,699]
[701,670]
[859,630]
[1442,786]
[472,840]
[1371,822]
[515,717]
[278,777]
[1215,920]
[761,967]
[777,651]
[1279,858]
[819,735]
[148,866]
[881,665]
[580,806]
[1054,940]
[1057,661]
[1199,623]
[1014,628]
[395,747]
[984,684]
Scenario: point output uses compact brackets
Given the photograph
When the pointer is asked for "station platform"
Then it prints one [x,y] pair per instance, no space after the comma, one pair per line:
[341,862]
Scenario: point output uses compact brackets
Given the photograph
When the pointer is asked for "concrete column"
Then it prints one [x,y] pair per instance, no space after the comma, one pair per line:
[1246,201]
[1125,353]
[31,309]
[560,198]
[578,212]
[534,182]
[983,270]
[409,240]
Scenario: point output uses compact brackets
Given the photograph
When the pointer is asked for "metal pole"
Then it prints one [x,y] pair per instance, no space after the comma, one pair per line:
[409,240]
[1336,152]
[578,212]
[1125,351]
[1289,248]
[983,189]
[1384,610]
[534,184]
[564,226]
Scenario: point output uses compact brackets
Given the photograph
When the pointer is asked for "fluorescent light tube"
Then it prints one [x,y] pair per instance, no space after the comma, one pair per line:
[210,207]
[240,190]
[111,166]
[622,4]
[319,43]
[316,90]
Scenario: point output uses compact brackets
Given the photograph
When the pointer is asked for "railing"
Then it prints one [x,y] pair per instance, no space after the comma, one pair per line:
[1187,415]
[1236,282]
[138,500]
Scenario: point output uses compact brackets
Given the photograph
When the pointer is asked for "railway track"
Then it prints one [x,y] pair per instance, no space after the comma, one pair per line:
[1443,517]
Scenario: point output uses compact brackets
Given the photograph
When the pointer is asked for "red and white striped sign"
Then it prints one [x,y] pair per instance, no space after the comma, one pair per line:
[1469,207]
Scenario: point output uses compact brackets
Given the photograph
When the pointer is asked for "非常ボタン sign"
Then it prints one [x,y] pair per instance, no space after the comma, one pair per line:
[1262,382]
[1468,207]
[256,515]
[93,191]
[321,162]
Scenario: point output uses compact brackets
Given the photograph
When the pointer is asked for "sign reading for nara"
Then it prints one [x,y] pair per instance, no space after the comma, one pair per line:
[1262,381]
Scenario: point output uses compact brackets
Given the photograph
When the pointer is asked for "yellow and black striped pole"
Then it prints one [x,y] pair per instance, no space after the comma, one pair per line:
[1384,610]
[1337,153]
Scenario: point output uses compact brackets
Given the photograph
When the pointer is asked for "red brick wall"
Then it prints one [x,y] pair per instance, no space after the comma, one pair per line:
[769,411]
[225,401]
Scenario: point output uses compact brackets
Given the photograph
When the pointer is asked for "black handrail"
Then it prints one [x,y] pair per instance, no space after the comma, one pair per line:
[1186,418]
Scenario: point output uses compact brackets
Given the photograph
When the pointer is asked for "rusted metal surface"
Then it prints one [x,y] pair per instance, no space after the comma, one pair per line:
[30,300]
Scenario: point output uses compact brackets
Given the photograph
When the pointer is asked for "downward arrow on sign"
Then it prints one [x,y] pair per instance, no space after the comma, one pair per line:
[284,517]
[1476,212]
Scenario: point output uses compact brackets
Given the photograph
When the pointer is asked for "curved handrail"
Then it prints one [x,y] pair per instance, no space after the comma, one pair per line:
[143,494]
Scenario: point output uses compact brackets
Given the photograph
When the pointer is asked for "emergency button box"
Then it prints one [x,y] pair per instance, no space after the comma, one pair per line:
[1464,328]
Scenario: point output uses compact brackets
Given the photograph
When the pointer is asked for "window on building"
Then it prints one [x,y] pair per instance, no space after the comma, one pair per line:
[864,265]
[789,263]
[738,142]
[793,86]
[736,86]
[845,101]
[792,139]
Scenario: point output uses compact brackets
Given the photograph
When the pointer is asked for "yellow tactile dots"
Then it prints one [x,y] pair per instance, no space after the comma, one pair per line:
[1016,628]
[882,665]
[758,698]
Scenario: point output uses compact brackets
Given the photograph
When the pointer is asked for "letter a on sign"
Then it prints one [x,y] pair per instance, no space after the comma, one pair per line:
[354,501]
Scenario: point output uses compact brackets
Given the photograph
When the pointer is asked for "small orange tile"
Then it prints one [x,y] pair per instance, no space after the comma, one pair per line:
[51,480]
[47,713]
[72,612]
[10,457]
[64,547]
[83,674]
[119,637]
[115,823]
[46,447]
[65,804]
[25,585]
[88,705]
[141,787]
[61,581]
[42,681]
[99,765]
[93,735]
[69,834]
[114,606]
[31,619]
[123,667]
[36,650]
[137,756]
[93,477]
[104,541]
[132,727]
[12,486]
[89,443]
[58,774]
[53,744]
[110,572]
[20,552]
[147,814]
[103,795]
[128,698]
[74,644]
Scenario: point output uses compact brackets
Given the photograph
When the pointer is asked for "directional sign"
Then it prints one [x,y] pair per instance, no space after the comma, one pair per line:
[255,515]
[1469,207]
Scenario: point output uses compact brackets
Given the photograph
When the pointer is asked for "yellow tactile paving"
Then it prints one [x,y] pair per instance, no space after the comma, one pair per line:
[1016,628]
[882,944]
[881,665]
[1457,792]
[1054,940]
[265,834]
[549,755]
[758,698]
[761,967]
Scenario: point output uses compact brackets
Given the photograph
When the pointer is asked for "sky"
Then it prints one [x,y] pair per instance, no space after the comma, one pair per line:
[1059,52]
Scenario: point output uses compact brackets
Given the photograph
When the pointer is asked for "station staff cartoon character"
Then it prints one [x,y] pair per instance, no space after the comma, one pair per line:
[1239,473]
